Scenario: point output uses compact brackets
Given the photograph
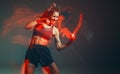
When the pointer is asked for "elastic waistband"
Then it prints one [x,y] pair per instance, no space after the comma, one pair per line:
[40,45]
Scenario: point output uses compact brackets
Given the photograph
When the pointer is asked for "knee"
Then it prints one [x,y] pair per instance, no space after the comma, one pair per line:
[56,72]
[29,68]
[46,70]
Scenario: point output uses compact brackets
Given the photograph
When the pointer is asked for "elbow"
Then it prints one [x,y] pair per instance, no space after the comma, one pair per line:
[27,27]
[60,48]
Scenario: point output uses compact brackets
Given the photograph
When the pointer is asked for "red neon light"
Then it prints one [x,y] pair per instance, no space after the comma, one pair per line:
[65,31]
[79,24]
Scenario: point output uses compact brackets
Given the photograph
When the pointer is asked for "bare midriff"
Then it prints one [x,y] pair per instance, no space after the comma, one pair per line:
[39,40]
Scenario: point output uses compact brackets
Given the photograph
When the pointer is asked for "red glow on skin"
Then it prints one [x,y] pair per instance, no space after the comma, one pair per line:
[47,69]
[39,27]
[24,67]
[26,64]
[59,22]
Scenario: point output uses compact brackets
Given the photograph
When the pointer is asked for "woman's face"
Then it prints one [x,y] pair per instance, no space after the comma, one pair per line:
[54,17]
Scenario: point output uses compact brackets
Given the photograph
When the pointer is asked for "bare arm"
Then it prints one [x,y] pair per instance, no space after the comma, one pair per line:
[31,25]
[58,42]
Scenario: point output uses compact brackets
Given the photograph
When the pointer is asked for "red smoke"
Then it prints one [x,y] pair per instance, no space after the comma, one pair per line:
[13,27]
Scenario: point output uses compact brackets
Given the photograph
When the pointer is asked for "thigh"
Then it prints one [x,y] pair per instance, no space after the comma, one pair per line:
[46,70]
[29,69]
[52,69]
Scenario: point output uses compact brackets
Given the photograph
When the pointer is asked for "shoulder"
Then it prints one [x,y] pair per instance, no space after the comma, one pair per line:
[54,27]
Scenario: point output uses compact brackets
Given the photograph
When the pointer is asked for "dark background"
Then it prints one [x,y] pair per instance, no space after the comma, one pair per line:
[95,51]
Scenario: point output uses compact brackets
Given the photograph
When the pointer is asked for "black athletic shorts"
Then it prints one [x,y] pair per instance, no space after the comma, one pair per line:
[39,54]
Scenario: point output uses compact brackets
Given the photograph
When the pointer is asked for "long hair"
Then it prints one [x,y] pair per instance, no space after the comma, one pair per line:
[48,12]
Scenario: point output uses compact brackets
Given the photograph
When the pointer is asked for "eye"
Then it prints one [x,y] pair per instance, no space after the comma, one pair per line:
[55,17]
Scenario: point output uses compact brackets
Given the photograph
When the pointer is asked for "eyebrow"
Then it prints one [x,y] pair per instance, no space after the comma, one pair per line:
[55,16]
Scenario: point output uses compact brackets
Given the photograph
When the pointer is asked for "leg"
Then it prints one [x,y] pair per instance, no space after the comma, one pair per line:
[46,70]
[54,68]
[29,68]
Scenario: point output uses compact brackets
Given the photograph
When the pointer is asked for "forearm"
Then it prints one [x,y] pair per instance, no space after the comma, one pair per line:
[30,25]
[62,46]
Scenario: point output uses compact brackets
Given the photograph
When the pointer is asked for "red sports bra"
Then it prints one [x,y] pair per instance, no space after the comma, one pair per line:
[46,33]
